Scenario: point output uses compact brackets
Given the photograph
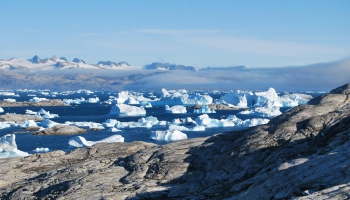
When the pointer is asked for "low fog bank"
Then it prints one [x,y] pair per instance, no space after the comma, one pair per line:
[316,77]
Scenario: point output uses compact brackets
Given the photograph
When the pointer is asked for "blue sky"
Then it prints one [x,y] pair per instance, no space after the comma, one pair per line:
[197,33]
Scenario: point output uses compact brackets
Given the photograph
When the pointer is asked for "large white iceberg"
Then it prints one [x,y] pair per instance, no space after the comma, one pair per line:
[295,99]
[1,110]
[181,97]
[270,98]
[175,109]
[262,111]
[207,122]
[79,141]
[127,110]
[8,147]
[169,135]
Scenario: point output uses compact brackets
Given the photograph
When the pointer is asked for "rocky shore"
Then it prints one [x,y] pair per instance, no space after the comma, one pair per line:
[52,102]
[302,154]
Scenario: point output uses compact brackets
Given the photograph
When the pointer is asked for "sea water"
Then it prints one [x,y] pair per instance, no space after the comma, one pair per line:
[99,113]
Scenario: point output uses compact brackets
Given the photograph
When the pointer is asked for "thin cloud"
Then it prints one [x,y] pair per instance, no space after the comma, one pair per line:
[173,32]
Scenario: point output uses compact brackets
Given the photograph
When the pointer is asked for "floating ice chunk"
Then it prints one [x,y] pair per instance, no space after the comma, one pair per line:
[10,100]
[93,100]
[79,141]
[1,110]
[269,111]
[5,125]
[127,110]
[114,129]
[41,149]
[47,123]
[169,135]
[181,97]
[48,115]
[149,120]
[7,94]
[175,109]
[179,128]
[204,109]
[91,125]
[109,123]
[30,112]
[237,98]
[177,121]
[8,147]
[198,128]
[295,99]
[254,122]
[37,99]
[74,101]
[205,120]
[149,105]
[28,123]
[266,98]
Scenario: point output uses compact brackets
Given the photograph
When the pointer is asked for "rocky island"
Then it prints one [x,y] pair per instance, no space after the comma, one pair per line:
[48,102]
[302,154]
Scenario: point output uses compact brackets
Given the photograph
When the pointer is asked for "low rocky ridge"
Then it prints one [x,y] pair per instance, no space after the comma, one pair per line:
[51,102]
[302,154]
[61,130]
[19,118]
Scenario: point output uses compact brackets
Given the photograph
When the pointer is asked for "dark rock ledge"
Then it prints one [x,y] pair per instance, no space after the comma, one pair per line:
[302,154]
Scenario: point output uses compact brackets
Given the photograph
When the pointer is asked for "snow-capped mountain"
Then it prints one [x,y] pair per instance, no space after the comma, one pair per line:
[36,63]
[110,64]
[168,66]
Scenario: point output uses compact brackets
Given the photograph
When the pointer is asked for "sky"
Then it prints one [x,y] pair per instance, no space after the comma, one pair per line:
[197,33]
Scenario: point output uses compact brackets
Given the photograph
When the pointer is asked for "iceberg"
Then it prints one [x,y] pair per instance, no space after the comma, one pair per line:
[1,110]
[10,100]
[28,123]
[270,111]
[8,147]
[47,123]
[91,125]
[41,150]
[175,109]
[181,97]
[79,141]
[169,135]
[93,100]
[114,129]
[5,125]
[207,122]
[204,109]
[295,99]
[37,99]
[74,101]
[127,110]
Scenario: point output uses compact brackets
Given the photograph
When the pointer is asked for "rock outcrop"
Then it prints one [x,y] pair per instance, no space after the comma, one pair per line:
[302,154]
[19,118]
[61,130]
[51,102]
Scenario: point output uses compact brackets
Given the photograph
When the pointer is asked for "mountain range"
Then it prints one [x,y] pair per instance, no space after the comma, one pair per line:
[37,63]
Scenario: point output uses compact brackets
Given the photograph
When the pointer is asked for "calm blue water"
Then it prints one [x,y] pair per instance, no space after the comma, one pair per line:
[100,113]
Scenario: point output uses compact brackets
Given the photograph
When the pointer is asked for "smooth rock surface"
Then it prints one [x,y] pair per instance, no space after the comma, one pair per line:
[302,154]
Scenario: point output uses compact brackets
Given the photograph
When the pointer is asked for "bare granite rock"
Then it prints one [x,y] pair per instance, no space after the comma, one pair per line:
[51,102]
[302,154]
[19,118]
[61,130]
